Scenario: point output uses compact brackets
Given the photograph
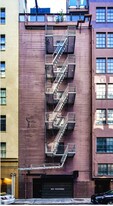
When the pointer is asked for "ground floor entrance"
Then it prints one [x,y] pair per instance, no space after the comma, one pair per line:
[53,187]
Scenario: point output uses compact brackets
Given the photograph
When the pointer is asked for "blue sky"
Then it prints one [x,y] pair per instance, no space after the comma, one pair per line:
[55,5]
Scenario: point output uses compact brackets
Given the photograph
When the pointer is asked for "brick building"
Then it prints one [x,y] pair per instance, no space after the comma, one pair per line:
[65,101]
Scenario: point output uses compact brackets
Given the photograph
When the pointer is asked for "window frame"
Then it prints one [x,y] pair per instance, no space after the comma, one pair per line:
[100,92]
[2,69]
[2,96]
[100,40]
[100,118]
[3,149]
[99,14]
[104,145]
[105,169]
[3,123]
[2,42]
[2,15]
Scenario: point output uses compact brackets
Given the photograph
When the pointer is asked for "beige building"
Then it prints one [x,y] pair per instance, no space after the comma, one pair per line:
[9,94]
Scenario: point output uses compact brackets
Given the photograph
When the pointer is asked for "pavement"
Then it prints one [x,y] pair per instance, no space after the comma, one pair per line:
[52,201]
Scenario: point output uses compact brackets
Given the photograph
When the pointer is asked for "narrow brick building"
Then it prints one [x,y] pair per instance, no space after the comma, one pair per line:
[65,114]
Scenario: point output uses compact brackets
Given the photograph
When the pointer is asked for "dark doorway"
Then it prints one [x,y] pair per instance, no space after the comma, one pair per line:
[37,188]
[102,185]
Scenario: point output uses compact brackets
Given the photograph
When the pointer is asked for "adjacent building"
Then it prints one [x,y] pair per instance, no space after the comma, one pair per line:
[9,71]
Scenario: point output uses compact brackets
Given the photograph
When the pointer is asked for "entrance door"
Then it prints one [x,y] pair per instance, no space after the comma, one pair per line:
[37,188]
[102,186]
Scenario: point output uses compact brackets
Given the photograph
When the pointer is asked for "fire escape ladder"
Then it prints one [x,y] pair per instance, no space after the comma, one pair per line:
[60,135]
[64,156]
[60,76]
[59,51]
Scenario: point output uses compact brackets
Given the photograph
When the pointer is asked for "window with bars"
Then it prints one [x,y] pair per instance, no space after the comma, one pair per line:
[3,123]
[110,116]
[110,91]
[104,145]
[105,169]
[100,40]
[2,69]
[101,65]
[3,150]
[2,42]
[100,14]
[100,116]
[2,96]
[100,91]
[2,15]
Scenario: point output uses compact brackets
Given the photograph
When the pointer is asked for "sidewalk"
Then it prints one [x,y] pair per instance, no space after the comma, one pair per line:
[53,201]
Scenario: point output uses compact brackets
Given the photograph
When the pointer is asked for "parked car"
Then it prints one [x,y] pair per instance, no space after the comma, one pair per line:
[6,199]
[103,198]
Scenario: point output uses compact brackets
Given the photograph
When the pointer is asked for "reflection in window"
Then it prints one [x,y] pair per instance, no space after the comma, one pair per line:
[2,96]
[110,15]
[100,91]
[2,15]
[110,91]
[105,169]
[100,40]
[101,65]
[3,149]
[110,40]
[110,65]
[100,15]
[110,116]
[104,145]
[100,116]
[2,69]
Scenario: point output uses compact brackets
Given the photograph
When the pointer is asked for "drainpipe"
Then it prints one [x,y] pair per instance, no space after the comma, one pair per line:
[13,175]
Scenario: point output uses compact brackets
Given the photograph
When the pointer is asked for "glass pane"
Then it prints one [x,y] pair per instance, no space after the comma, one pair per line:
[101,65]
[100,15]
[110,65]
[110,15]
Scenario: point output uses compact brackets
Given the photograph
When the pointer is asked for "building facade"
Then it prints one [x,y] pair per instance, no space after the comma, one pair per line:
[66,109]
[9,64]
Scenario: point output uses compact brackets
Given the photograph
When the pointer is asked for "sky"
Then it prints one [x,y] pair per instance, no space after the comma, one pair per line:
[55,5]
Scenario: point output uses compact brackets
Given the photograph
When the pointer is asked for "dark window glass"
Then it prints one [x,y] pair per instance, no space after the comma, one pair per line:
[2,15]
[2,42]
[2,122]
[104,145]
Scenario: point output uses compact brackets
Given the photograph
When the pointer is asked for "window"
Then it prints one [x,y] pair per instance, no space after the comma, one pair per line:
[100,40]
[105,169]
[101,65]
[110,15]
[2,42]
[2,15]
[104,145]
[3,149]
[100,91]
[110,40]
[110,116]
[110,91]
[2,69]
[100,116]
[110,65]
[2,96]
[100,14]
[3,123]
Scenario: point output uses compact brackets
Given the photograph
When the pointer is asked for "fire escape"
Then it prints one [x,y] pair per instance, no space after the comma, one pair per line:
[60,68]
